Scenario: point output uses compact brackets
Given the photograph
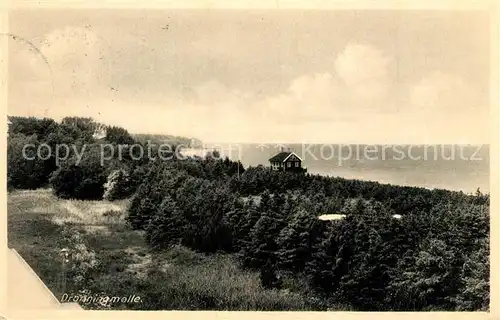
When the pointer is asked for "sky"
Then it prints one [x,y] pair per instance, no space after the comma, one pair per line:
[286,76]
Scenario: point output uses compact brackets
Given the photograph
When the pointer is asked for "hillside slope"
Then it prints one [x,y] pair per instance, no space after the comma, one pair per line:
[109,259]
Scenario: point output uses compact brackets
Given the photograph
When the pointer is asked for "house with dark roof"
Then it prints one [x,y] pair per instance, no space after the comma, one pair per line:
[286,161]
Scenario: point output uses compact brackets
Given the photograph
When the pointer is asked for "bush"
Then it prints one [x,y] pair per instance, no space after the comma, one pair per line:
[268,277]
[157,184]
[117,185]
[80,180]
[166,227]
[24,172]
[76,182]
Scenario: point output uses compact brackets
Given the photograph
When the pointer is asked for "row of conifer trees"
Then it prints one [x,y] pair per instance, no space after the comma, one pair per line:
[436,257]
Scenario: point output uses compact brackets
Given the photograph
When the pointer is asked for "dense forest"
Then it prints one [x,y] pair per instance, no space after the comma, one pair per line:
[435,257]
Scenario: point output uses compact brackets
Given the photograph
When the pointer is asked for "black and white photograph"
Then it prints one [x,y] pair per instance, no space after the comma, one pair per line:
[218,159]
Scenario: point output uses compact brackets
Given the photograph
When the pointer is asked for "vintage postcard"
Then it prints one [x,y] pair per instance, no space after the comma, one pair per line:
[274,158]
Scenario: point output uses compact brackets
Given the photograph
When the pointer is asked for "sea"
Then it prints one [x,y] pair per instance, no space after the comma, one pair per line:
[453,167]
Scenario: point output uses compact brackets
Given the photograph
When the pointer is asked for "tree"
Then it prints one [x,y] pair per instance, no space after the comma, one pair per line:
[118,135]
[117,185]
[29,126]
[167,225]
[430,278]
[262,245]
[143,204]
[207,211]
[84,126]
[24,171]
[320,267]
[475,294]
[242,221]
[295,241]
[80,179]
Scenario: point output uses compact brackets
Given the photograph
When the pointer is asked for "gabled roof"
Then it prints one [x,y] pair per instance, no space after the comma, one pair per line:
[279,157]
[283,156]
[292,153]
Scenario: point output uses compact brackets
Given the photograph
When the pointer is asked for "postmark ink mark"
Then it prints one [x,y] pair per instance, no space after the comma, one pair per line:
[36,50]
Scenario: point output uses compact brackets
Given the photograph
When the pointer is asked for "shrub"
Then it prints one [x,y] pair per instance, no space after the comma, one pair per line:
[144,203]
[166,227]
[81,260]
[117,185]
[82,179]
[268,277]
[24,172]
[76,182]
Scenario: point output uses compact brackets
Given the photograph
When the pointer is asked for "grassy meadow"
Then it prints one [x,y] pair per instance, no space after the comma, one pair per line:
[108,258]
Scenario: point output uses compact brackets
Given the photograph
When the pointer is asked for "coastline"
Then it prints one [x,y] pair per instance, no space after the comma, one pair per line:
[459,175]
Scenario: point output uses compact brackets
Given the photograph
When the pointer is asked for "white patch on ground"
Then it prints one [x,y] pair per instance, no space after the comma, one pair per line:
[332,217]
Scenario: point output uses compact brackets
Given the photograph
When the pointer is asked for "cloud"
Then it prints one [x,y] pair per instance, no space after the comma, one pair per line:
[357,83]
[308,98]
[443,106]
[351,100]
[346,93]
[442,92]
[364,71]
[359,64]
[350,103]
